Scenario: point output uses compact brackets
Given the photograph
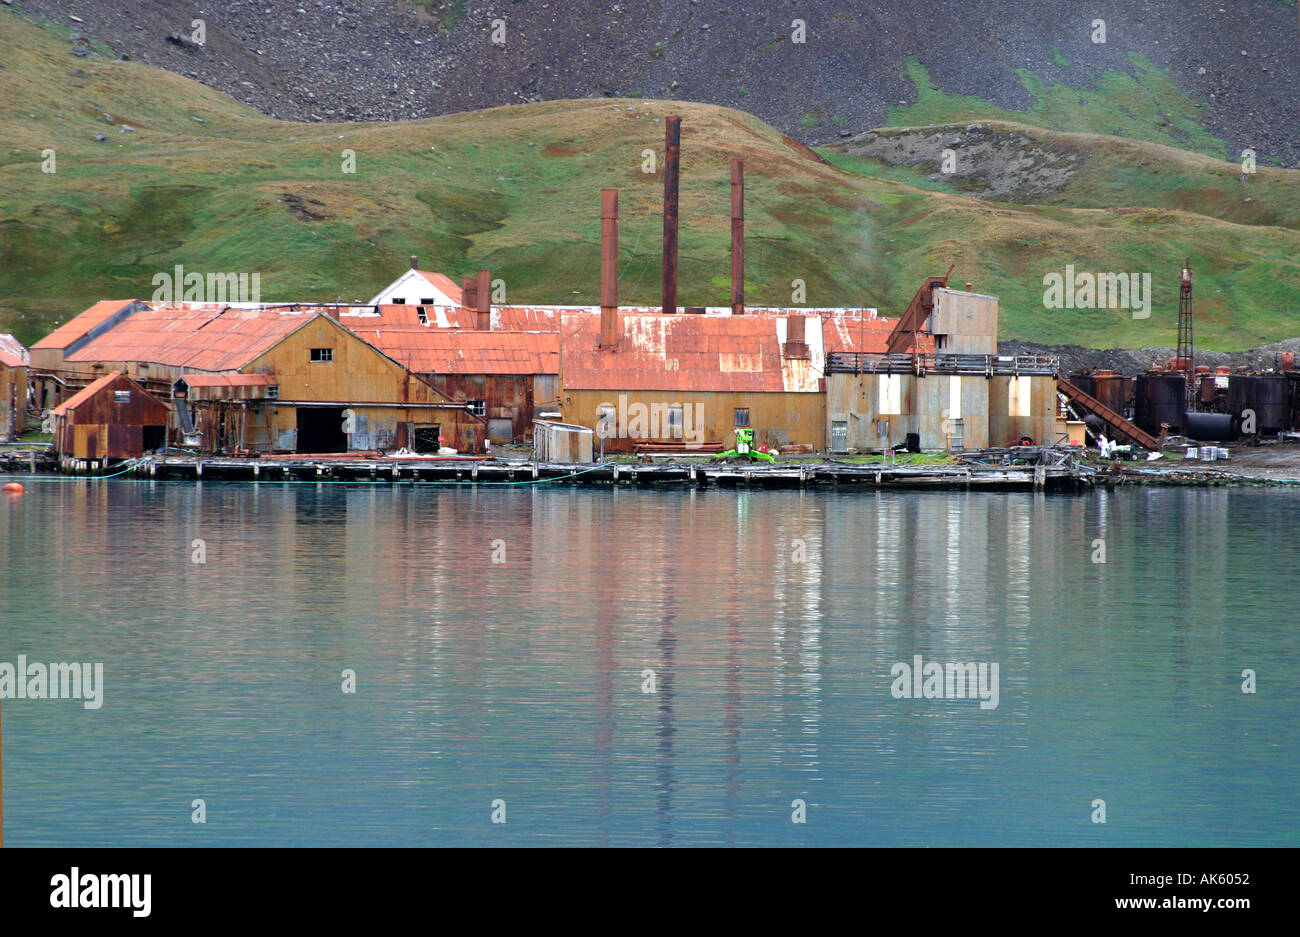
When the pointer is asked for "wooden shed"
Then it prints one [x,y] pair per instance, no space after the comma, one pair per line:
[13,388]
[563,442]
[113,418]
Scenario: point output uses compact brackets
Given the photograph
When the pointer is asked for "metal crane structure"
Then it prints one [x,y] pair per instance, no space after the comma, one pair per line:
[1186,336]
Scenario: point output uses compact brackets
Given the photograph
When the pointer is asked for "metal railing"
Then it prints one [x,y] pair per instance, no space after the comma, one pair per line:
[858,362]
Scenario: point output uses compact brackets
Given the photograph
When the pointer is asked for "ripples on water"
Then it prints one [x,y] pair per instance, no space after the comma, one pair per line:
[522,680]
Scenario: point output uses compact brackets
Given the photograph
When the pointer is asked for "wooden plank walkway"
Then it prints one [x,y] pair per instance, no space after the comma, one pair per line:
[1064,477]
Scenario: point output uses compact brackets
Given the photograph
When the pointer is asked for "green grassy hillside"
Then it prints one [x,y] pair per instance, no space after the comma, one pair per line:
[206,182]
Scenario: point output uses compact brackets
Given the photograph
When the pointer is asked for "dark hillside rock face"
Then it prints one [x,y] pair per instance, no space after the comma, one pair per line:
[989,163]
[403,59]
[1137,360]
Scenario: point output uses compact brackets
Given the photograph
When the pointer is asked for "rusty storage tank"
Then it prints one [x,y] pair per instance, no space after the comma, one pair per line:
[1294,380]
[1111,389]
[1083,380]
[1241,394]
[1272,403]
[1266,394]
[1208,427]
[1160,398]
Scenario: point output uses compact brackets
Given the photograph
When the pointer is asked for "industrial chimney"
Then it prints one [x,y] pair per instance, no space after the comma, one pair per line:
[468,294]
[483,301]
[608,268]
[737,237]
[672,160]
[796,345]
[414,261]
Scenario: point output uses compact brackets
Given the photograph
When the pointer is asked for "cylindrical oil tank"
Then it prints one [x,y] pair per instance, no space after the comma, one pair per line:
[1268,395]
[1208,427]
[1160,398]
[1272,406]
[1241,394]
[1111,389]
[1083,380]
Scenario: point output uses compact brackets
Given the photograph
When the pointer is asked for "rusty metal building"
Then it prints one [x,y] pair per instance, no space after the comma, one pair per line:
[506,377]
[955,393]
[694,379]
[13,387]
[112,418]
[325,390]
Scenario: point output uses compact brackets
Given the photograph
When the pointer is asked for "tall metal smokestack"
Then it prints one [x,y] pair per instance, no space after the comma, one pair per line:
[483,301]
[608,268]
[737,237]
[468,295]
[672,160]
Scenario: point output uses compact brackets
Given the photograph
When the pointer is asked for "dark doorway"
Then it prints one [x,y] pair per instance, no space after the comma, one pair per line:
[153,437]
[320,429]
[425,437]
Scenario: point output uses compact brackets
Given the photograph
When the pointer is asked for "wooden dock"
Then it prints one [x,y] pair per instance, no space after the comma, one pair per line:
[397,471]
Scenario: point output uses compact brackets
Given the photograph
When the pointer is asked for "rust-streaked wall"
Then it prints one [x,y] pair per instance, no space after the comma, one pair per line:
[13,401]
[964,323]
[1040,422]
[102,428]
[778,419]
[925,408]
[359,374]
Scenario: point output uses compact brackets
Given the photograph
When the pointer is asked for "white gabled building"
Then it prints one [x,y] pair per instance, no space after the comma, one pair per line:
[419,288]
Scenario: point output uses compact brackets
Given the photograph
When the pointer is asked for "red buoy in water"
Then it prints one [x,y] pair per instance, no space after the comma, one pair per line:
[13,488]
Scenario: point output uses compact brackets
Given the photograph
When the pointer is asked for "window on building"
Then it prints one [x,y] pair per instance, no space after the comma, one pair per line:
[322,354]
[675,421]
[428,301]
[273,392]
[421,315]
[121,396]
[399,301]
[476,407]
[742,416]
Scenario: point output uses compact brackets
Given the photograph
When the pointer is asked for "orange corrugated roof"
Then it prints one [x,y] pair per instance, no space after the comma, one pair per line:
[90,390]
[229,380]
[11,360]
[444,283]
[843,333]
[448,351]
[79,325]
[406,315]
[202,337]
[692,353]
[533,318]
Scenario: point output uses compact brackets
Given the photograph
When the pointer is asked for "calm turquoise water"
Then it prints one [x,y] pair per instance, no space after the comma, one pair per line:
[522,680]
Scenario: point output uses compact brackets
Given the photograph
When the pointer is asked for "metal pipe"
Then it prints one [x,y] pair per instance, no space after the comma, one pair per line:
[737,237]
[608,268]
[342,403]
[483,300]
[468,293]
[672,164]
